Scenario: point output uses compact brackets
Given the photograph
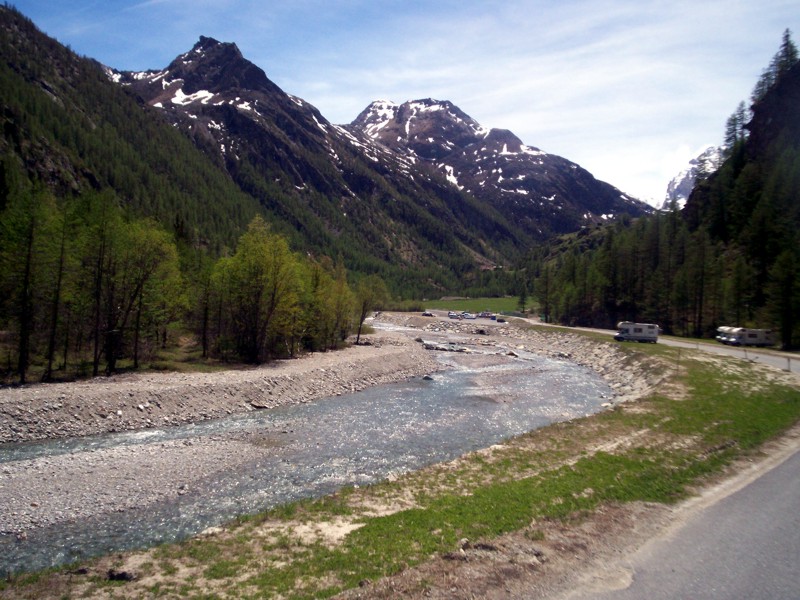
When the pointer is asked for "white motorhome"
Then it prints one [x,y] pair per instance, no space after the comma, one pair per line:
[725,332]
[628,331]
[743,336]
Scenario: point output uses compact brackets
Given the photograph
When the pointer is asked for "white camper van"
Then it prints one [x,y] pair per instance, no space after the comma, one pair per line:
[742,336]
[724,333]
[628,331]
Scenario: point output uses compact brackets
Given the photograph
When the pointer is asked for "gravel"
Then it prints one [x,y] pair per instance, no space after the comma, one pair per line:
[43,491]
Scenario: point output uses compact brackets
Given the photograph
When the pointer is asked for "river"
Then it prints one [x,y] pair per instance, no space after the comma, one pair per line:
[294,452]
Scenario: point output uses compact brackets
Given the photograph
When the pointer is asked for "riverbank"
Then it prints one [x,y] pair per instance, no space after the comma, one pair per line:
[46,491]
[524,515]
[139,401]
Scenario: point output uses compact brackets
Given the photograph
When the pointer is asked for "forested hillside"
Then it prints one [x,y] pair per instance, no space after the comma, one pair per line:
[116,232]
[69,129]
[730,257]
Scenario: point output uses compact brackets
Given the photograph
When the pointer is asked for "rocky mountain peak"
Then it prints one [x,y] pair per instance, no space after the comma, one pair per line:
[376,116]
[211,72]
[543,193]
[429,128]
[218,67]
[682,184]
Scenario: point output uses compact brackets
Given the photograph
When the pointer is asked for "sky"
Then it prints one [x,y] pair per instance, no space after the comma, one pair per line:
[629,90]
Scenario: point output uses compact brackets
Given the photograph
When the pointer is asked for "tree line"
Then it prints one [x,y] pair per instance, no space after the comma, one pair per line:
[657,270]
[84,286]
[731,256]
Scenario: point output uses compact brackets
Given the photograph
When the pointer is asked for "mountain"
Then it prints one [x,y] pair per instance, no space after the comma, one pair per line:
[757,184]
[223,99]
[208,142]
[731,256]
[679,188]
[66,128]
[543,193]
[330,186]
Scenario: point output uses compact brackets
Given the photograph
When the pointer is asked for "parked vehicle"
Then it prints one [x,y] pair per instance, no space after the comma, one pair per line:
[628,331]
[743,336]
[724,333]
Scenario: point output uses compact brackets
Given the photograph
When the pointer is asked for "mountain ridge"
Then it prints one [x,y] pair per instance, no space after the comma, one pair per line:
[567,196]
[334,190]
[544,193]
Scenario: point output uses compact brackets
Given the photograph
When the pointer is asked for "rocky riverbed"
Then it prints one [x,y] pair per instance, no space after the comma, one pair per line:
[138,401]
[37,493]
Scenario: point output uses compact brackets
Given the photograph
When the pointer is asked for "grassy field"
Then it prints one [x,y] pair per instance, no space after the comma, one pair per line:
[711,413]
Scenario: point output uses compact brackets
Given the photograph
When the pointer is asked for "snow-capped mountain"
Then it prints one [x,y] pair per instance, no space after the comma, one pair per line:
[682,184]
[483,185]
[325,180]
[543,192]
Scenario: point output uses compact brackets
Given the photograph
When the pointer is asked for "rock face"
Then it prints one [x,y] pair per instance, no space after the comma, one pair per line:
[544,193]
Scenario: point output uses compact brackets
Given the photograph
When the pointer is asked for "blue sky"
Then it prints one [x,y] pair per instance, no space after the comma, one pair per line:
[630,90]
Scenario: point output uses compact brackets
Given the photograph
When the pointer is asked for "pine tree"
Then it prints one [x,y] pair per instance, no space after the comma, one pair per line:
[784,59]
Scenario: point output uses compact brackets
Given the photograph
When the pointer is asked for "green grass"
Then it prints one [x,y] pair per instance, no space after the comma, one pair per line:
[545,474]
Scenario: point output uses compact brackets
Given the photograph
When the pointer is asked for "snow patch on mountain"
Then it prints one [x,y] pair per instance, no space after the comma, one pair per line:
[683,183]
[203,96]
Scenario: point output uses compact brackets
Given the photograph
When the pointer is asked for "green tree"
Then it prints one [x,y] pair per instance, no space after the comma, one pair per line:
[260,287]
[522,299]
[371,294]
[22,224]
[162,298]
[783,291]
[784,59]
[342,303]
[61,229]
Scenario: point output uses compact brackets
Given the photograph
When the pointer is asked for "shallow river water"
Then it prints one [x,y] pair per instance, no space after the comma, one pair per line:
[314,449]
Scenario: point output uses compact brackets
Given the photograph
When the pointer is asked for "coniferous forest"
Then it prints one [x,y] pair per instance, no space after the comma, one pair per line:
[731,256]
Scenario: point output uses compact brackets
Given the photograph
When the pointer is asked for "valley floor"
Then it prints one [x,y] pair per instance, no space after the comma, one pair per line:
[512,566]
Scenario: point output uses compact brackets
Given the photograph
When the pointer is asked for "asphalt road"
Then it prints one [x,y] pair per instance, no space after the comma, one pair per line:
[744,545]
[787,361]
[781,360]
[740,541]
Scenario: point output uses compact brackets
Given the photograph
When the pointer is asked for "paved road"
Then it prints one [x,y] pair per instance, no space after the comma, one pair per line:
[787,361]
[744,546]
[782,360]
